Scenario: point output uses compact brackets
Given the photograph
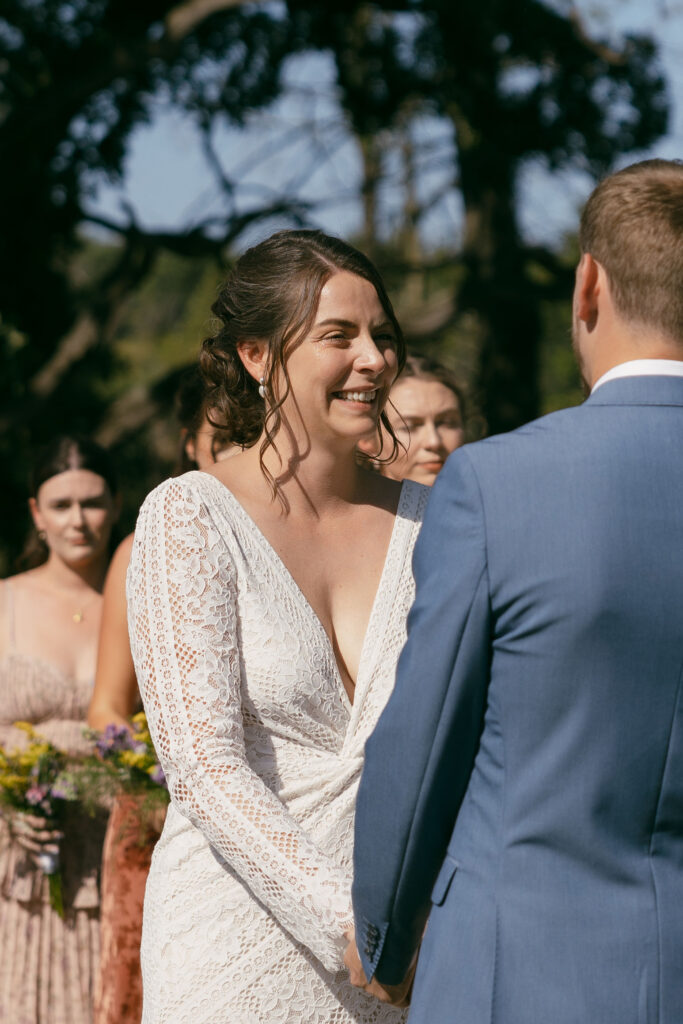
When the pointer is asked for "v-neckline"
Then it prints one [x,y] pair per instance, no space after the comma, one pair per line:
[256,529]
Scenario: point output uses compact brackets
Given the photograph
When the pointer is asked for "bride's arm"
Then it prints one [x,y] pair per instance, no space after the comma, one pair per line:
[182,614]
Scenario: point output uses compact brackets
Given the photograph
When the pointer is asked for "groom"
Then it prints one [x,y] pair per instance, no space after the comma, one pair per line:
[523,789]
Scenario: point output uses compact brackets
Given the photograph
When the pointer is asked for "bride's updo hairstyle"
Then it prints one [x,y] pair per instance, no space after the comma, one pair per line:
[272,293]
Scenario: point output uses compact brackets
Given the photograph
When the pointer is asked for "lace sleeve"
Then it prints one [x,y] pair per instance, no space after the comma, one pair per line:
[182,617]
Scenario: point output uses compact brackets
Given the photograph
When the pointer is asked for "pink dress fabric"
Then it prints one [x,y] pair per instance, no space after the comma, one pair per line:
[48,964]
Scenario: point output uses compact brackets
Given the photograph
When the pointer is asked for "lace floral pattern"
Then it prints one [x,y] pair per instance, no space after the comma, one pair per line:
[249,892]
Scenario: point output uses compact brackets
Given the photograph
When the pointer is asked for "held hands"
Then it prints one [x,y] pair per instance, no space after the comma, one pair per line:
[397,995]
[36,836]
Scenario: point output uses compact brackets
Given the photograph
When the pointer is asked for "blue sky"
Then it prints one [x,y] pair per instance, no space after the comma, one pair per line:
[301,143]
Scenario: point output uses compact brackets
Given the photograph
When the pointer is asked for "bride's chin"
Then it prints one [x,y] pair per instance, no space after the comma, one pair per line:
[361,425]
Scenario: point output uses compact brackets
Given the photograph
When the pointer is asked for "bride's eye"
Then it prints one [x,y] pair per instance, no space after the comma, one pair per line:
[338,336]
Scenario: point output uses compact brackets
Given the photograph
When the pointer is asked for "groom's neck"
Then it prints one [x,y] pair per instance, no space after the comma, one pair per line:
[620,342]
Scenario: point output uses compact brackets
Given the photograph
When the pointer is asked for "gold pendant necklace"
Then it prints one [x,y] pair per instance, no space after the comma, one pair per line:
[79,615]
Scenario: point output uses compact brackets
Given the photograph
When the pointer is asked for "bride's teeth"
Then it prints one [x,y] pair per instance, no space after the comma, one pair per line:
[358,396]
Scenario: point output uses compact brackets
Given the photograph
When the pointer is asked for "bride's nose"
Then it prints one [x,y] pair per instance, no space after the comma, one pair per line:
[369,356]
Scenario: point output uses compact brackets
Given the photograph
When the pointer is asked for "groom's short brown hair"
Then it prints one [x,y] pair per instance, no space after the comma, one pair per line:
[633,226]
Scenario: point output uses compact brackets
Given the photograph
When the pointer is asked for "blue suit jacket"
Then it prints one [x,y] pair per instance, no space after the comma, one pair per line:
[524,786]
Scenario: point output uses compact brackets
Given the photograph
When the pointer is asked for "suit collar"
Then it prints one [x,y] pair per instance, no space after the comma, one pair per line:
[646,390]
[642,368]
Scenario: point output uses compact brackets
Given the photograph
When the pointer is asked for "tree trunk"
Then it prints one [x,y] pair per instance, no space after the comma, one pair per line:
[411,247]
[372,172]
[495,286]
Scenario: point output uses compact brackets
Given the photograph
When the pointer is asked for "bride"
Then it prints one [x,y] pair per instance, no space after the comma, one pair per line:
[268,604]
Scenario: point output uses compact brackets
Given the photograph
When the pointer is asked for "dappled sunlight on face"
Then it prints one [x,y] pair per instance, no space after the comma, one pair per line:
[77,511]
[425,416]
[341,371]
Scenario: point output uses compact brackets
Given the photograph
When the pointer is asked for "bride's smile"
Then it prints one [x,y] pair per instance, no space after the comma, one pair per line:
[341,371]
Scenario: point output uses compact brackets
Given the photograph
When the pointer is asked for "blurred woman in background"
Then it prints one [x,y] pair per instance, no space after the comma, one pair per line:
[49,625]
[132,835]
[202,442]
[426,409]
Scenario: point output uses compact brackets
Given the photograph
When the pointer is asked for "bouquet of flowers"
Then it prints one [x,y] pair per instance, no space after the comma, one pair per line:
[38,781]
[132,761]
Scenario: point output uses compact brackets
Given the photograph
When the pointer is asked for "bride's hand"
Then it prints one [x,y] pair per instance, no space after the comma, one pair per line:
[397,995]
[352,960]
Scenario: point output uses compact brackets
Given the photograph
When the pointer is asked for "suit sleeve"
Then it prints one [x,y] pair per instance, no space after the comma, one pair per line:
[419,759]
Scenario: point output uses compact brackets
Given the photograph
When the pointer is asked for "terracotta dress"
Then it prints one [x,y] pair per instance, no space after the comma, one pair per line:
[48,965]
[128,849]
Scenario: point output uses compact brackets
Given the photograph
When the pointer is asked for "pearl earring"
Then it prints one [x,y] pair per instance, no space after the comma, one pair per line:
[262,387]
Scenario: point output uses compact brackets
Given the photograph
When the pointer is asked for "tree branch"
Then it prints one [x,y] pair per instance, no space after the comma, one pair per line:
[606,53]
[74,346]
[184,18]
[99,318]
[431,317]
[213,160]
[127,415]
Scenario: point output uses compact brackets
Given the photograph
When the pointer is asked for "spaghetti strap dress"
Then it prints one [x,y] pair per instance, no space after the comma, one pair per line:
[48,965]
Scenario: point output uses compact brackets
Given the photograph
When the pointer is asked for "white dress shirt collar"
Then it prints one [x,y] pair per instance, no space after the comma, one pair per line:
[642,368]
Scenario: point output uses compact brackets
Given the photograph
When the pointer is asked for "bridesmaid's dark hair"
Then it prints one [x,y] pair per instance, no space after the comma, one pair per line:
[273,293]
[191,412]
[68,451]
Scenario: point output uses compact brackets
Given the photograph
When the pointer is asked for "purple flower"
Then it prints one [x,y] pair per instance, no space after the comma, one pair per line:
[34,794]
[114,739]
[157,775]
[63,788]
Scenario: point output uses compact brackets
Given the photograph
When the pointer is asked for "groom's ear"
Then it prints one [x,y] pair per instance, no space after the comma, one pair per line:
[589,284]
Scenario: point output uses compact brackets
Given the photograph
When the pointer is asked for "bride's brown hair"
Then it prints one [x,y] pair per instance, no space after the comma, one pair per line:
[272,293]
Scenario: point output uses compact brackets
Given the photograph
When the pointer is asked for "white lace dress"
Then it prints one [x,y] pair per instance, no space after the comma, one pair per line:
[249,891]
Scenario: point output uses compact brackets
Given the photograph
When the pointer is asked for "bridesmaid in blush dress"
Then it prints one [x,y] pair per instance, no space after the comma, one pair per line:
[49,622]
[268,603]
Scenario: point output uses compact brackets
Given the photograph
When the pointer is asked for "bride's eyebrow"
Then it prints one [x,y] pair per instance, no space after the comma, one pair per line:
[339,322]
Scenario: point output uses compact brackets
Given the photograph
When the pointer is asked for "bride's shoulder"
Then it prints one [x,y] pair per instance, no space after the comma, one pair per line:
[185,497]
[192,513]
[173,487]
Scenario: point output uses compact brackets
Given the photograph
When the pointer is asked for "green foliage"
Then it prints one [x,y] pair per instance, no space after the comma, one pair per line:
[93,336]
[518,80]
